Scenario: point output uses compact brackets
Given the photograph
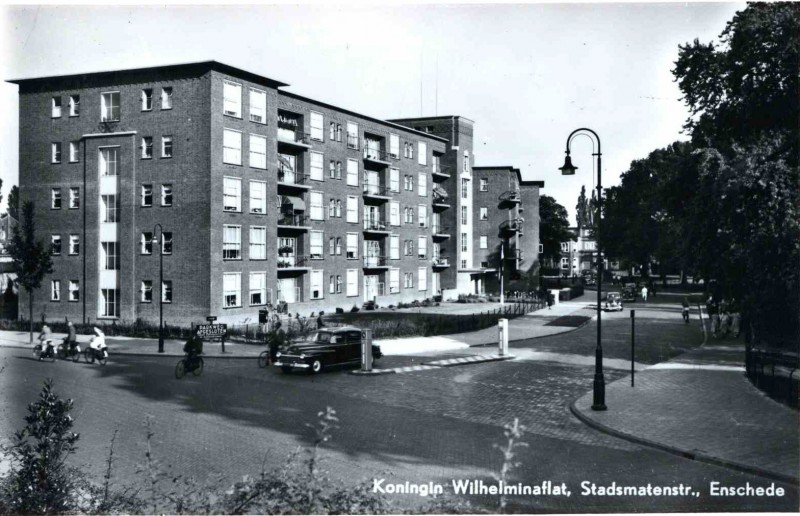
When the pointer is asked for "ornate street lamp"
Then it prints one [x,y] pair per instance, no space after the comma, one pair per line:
[155,243]
[599,390]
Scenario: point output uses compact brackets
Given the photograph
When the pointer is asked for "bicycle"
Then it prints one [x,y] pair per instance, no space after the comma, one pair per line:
[91,354]
[263,359]
[192,365]
[48,351]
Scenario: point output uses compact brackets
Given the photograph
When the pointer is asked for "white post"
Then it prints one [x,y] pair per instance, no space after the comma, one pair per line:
[366,349]
[502,341]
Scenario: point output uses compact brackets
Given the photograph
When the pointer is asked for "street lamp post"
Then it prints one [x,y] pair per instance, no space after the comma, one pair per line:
[160,287]
[599,391]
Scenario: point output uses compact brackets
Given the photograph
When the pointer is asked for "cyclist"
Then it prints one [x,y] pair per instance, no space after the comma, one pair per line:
[685,304]
[72,338]
[193,348]
[46,340]
[98,342]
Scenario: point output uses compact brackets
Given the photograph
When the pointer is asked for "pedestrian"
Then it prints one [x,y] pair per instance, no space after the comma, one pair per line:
[551,299]
[276,340]
[713,313]
[685,311]
[644,293]
[320,323]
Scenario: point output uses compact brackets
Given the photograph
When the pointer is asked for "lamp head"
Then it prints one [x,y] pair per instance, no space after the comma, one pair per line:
[568,169]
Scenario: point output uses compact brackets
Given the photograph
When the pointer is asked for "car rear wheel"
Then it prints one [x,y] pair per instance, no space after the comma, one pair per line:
[316,366]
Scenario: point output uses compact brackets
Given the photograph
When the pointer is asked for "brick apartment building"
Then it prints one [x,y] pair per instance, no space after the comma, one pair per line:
[248,193]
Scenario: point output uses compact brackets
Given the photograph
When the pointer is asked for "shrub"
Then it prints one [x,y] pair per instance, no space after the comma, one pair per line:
[354,309]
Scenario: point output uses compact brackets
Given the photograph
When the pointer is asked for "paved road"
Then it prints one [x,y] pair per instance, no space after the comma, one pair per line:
[433,425]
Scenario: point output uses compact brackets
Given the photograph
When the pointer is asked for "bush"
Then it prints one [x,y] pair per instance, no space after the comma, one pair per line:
[354,309]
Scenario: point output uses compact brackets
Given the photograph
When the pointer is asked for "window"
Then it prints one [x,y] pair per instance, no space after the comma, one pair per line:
[332,246]
[316,284]
[109,302]
[352,172]
[147,99]
[166,97]
[56,107]
[408,215]
[465,188]
[408,248]
[55,152]
[55,198]
[317,207]
[394,247]
[146,291]
[74,244]
[317,126]
[394,146]
[110,255]
[231,288]
[408,280]
[484,184]
[411,150]
[564,262]
[422,215]
[422,247]
[394,213]
[258,243]
[484,214]
[166,291]
[352,246]
[332,284]
[74,197]
[109,209]
[394,281]
[394,180]
[55,245]
[147,147]
[258,106]
[258,288]
[352,209]
[166,195]
[339,133]
[147,195]
[232,99]
[258,197]
[332,169]
[232,194]
[422,184]
[258,151]
[317,173]
[109,107]
[146,243]
[352,136]
[332,208]
[339,170]
[338,284]
[74,290]
[73,151]
[166,242]
[231,242]
[232,147]
[74,105]
[407,183]
[332,132]
[422,155]
[463,242]
[541,248]
[422,278]
[484,242]
[466,161]
[166,146]
[108,160]
[55,290]
[564,246]
[338,246]
[484,265]
[316,246]
[464,215]
[352,282]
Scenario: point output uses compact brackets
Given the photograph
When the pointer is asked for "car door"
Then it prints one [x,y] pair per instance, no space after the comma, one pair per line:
[353,352]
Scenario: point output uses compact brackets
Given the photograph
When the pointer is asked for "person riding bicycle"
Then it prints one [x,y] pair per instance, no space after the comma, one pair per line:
[193,347]
[685,304]
[72,337]
[46,339]
[98,342]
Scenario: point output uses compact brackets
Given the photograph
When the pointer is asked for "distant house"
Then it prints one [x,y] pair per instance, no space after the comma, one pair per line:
[579,256]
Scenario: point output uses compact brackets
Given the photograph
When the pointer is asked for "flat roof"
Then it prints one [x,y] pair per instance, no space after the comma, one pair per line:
[211,64]
[540,184]
[440,117]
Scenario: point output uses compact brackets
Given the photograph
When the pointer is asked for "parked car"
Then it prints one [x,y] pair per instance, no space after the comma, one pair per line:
[325,348]
[629,294]
[613,302]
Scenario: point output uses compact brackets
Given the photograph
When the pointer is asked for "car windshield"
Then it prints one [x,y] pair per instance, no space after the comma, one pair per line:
[322,336]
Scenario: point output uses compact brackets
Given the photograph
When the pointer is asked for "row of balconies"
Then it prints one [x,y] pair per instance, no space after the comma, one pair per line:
[295,263]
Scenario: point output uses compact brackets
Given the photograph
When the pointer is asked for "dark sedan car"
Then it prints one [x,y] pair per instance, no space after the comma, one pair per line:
[325,348]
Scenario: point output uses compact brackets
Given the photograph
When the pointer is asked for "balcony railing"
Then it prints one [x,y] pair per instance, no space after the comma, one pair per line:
[288,262]
[511,225]
[438,229]
[352,141]
[293,136]
[293,220]
[440,172]
[290,177]
[374,154]
[441,261]
[376,261]
[512,196]
[374,189]
[375,225]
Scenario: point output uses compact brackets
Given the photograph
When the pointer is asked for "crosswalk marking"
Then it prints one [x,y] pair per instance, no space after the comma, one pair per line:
[436,364]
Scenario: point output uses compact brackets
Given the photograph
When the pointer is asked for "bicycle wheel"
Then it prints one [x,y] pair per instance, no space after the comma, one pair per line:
[198,370]
[76,356]
[102,358]
[263,359]
[180,369]
[52,356]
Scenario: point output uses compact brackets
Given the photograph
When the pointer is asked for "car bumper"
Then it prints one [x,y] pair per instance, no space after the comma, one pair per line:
[299,365]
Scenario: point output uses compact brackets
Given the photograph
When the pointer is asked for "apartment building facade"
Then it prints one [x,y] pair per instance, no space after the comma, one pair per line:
[247,194]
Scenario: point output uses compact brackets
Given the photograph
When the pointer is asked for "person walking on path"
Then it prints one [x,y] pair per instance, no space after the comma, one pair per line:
[644,293]
[320,323]
[685,311]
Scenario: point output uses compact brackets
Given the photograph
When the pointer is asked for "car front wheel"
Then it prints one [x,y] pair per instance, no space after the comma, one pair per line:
[316,366]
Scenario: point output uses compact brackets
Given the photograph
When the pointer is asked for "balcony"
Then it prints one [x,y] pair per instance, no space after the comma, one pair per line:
[440,232]
[440,262]
[440,173]
[376,262]
[292,264]
[293,140]
[440,203]
[511,226]
[289,178]
[375,156]
[376,227]
[509,199]
[293,222]
[377,193]
[514,254]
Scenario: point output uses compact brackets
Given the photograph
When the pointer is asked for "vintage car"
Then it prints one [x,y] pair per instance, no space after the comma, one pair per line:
[325,348]
[613,302]
[629,293]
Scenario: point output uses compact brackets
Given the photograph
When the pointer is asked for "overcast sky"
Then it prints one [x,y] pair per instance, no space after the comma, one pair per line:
[526,74]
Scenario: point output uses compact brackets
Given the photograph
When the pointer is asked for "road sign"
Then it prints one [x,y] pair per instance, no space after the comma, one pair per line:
[211,318]
[211,330]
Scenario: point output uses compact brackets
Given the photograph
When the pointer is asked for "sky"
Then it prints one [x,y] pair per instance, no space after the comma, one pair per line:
[526,74]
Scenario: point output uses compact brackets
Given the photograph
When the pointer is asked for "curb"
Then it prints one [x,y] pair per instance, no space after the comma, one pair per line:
[700,457]
[440,364]
[569,330]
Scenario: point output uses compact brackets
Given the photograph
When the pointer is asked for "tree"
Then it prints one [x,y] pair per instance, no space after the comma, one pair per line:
[13,202]
[553,228]
[31,258]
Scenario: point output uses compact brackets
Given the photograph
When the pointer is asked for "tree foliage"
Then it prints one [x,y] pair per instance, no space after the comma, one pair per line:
[553,228]
[13,202]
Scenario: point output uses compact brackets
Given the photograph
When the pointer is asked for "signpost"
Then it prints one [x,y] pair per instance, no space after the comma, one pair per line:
[212,331]
[366,349]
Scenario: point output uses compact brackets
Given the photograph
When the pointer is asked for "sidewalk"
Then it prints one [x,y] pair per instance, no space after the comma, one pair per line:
[701,406]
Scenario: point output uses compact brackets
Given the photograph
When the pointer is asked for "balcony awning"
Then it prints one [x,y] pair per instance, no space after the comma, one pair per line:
[296,203]
[439,191]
